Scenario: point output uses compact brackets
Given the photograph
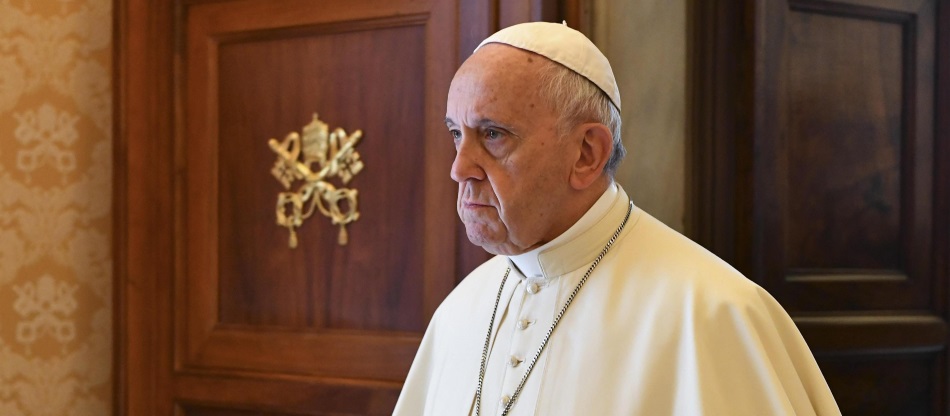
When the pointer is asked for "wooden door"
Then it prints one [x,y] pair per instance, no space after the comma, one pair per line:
[823,172]
[322,328]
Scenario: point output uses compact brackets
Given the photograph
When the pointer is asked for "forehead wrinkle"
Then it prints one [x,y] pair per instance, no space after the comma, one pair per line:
[473,115]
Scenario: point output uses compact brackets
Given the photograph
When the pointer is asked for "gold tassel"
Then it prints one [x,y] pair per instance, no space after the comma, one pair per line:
[344,238]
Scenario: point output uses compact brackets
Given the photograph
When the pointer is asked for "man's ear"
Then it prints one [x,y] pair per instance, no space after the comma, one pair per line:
[596,146]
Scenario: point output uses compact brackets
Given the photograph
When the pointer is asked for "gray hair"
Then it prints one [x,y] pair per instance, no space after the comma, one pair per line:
[580,101]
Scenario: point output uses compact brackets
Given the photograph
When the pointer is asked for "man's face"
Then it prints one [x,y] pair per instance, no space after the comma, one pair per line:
[511,167]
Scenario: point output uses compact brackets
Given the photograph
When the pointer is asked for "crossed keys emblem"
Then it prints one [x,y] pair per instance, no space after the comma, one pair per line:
[331,154]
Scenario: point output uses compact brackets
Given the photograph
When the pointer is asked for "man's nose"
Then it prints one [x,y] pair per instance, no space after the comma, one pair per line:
[466,166]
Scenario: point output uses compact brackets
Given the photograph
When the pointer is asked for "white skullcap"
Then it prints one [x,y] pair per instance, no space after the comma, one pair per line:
[565,46]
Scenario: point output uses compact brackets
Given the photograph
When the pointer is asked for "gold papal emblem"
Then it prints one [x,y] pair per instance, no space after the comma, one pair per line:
[315,158]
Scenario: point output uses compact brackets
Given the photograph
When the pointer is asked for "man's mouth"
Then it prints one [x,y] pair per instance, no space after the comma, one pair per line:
[474,205]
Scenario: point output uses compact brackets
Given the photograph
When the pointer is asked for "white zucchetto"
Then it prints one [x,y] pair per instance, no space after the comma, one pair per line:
[563,45]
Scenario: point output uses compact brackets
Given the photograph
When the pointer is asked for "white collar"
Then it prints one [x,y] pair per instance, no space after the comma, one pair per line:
[573,248]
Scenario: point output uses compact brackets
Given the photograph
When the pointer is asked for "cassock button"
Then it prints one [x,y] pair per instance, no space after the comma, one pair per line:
[534,288]
[504,400]
[523,324]
[514,361]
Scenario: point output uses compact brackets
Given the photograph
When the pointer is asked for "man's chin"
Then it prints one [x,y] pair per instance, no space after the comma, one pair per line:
[479,238]
[498,248]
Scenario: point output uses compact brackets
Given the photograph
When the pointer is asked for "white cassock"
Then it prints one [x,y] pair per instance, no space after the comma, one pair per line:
[662,327]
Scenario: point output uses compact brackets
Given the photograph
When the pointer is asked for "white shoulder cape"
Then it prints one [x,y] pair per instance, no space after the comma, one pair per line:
[662,327]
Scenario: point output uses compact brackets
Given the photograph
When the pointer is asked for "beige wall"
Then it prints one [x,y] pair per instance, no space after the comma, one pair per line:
[645,41]
[55,196]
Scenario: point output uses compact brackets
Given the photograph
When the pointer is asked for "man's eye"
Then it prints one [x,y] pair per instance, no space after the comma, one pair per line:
[492,134]
[456,134]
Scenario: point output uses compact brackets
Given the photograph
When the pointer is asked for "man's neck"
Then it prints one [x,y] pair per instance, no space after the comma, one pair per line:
[573,207]
[528,263]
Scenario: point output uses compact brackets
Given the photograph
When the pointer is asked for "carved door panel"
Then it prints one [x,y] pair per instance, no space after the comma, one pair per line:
[249,303]
[827,181]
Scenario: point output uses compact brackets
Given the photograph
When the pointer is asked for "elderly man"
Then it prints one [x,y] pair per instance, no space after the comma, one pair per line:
[591,306]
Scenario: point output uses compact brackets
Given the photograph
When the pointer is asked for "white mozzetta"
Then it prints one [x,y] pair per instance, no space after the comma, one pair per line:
[662,327]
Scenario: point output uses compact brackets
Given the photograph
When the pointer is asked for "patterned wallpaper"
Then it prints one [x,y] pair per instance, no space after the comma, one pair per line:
[55,201]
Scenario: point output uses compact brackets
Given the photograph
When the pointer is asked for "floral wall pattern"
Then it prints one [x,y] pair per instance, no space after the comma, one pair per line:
[55,201]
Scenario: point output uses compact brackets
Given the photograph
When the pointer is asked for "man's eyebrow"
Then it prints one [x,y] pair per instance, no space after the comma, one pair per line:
[480,123]
[487,122]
